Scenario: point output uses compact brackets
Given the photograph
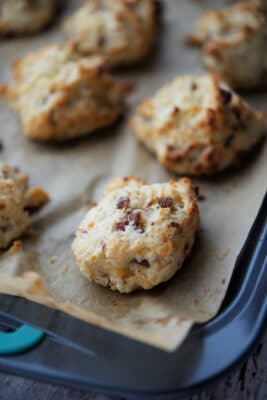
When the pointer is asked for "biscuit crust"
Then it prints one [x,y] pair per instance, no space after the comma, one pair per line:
[15,199]
[234,43]
[19,17]
[123,31]
[197,125]
[138,235]
[60,95]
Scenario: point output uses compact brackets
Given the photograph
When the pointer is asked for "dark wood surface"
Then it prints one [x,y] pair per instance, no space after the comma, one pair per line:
[249,382]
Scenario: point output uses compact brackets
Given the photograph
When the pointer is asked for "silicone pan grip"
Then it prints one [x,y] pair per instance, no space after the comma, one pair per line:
[19,340]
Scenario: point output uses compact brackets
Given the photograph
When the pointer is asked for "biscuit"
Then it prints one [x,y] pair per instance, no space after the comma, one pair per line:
[15,200]
[234,43]
[59,95]
[123,31]
[138,235]
[197,125]
[18,17]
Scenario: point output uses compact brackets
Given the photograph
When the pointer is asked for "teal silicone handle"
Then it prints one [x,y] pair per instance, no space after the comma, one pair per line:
[22,339]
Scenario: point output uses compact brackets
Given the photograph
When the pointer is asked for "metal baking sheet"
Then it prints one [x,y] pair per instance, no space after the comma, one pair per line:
[75,173]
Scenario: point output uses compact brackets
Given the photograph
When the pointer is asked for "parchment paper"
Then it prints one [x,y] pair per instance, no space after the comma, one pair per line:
[74,174]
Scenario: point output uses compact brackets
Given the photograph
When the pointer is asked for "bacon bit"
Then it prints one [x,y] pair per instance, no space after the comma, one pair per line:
[104,246]
[2,205]
[123,202]
[130,216]
[175,225]
[120,226]
[226,96]
[165,202]
[144,262]
[84,231]
[135,217]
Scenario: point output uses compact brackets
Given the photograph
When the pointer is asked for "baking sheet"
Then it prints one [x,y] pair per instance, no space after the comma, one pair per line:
[75,173]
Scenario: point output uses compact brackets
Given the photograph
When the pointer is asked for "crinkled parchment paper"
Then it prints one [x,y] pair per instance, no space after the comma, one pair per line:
[74,174]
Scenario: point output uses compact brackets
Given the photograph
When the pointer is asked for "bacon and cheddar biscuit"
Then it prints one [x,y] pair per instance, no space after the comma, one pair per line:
[19,17]
[234,43]
[123,31]
[16,199]
[138,235]
[197,125]
[60,95]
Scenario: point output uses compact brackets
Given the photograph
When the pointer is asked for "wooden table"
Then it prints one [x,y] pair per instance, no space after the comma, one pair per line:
[247,383]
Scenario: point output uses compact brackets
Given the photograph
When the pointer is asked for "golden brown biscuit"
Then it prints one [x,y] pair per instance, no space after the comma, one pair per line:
[138,235]
[15,200]
[123,31]
[18,17]
[197,125]
[59,95]
[234,43]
